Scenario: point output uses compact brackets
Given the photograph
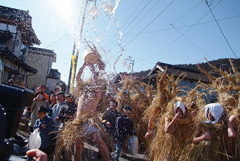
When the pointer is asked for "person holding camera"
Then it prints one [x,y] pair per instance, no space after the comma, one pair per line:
[38,101]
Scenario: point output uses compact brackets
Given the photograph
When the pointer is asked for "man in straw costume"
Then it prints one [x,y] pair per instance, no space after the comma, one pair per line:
[86,124]
[174,130]
[211,137]
[87,105]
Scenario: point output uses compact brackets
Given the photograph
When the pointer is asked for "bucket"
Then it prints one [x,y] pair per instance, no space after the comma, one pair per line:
[90,56]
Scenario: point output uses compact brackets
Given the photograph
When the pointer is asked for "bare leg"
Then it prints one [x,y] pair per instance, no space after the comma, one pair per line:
[78,149]
[102,147]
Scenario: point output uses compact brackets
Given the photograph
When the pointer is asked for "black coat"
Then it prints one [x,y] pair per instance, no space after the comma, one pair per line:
[110,116]
[123,127]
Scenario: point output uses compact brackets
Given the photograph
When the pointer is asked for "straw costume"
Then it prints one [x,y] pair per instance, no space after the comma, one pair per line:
[123,98]
[227,87]
[167,146]
[158,106]
[138,102]
[215,148]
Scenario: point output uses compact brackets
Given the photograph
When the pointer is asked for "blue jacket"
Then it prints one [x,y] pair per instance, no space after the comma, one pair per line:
[45,135]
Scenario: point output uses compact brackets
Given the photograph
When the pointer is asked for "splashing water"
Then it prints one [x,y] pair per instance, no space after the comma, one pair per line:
[81,14]
[94,12]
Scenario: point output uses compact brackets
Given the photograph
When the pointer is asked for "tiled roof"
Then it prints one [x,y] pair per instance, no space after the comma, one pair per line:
[23,20]
[125,76]
[191,74]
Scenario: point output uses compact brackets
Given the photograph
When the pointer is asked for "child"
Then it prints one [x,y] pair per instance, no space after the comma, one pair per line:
[44,125]
[124,126]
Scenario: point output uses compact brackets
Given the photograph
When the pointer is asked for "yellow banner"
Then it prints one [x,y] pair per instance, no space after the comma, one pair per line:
[73,72]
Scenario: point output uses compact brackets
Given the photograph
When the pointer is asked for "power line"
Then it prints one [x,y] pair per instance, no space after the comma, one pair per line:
[140,20]
[125,22]
[187,12]
[57,40]
[136,17]
[191,42]
[144,16]
[190,25]
[148,24]
[184,32]
[221,29]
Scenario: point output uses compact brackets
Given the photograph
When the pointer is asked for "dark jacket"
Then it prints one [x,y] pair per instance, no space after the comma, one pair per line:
[69,108]
[123,127]
[45,133]
[110,116]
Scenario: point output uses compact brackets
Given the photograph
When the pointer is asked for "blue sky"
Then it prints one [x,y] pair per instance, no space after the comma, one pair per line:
[174,32]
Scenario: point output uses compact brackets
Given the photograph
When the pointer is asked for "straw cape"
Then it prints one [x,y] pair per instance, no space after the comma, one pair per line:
[214,149]
[164,145]
[168,145]
[227,86]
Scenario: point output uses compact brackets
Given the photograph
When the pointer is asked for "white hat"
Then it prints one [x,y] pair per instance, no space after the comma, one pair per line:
[216,111]
[180,105]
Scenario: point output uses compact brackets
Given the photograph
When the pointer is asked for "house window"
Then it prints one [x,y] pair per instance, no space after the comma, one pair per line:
[12,28]
[3,26]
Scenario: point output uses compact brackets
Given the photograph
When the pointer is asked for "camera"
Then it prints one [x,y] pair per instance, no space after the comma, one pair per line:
[13,100]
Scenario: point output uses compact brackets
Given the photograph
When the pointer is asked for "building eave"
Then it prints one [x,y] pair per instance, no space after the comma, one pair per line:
[22,20]
[13,58]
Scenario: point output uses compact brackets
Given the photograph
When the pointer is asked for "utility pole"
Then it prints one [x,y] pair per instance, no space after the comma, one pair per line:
[77,54]
[131,62]
[70,72]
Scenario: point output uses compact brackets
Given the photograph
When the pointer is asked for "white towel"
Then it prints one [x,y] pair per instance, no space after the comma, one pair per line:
[216,111]
[180,105]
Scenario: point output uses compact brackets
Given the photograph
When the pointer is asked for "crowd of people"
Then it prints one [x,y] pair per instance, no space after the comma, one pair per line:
[49,116]
[170,125]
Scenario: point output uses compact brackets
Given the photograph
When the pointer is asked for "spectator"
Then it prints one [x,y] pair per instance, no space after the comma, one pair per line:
[45,126]
[57,89]
[60,97]
[123,127]
[52,103]
[52,100]
[38,101]
[69,110]
[110,116]
[42,88]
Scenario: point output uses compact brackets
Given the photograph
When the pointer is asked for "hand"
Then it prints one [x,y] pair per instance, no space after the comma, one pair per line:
[37,155]
[207,136]
[193,113]
[148,135]
[57,119]
[38,130]
[109,124]
[43,126]
[70,116]
[37,98]
[178,115]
